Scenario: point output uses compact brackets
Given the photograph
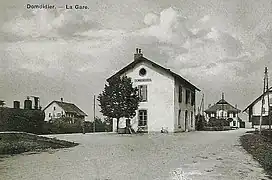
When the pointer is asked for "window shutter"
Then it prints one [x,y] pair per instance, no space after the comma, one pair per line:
[180,94]
[192,98]
[143,92]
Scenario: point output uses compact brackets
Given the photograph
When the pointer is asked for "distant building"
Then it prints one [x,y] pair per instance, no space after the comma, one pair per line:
[58,109]
[223,110]
[167,99]
[254,109]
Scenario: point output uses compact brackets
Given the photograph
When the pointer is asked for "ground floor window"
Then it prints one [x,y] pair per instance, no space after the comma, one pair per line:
[142,118]
[179,114]
[186,119]
[192,119]
[234,123]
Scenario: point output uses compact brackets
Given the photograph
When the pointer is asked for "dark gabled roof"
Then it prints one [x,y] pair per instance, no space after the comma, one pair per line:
[256,100]
[68,108]
[222,104]
[143,59]
[222,101]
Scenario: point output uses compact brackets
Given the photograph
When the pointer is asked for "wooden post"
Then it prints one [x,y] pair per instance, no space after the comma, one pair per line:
[238,122]
[261,117]
[94,115]
[203,105]
[268,91]
[83,126]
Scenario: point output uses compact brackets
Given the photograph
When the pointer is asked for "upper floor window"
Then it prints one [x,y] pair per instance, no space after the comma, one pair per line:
[192,98]
[142,72]
[230,115]
[180,94]
[49,114]
[270,100]
[142,92]
[264,110]
[187,100]
[234,114]
[54,108]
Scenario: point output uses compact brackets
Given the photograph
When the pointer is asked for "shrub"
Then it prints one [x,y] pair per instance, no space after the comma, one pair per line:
[63,125]
[214,122]
[200,122]
[21,120]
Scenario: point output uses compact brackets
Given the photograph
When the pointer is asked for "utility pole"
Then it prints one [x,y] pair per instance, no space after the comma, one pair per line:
[203,105]
[222,115]
[268,100]
[238,122]
[200,114]
[94,115]
[264,83]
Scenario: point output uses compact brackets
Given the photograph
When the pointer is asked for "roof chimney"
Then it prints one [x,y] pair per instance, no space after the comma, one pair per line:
[138,54]
[222,95]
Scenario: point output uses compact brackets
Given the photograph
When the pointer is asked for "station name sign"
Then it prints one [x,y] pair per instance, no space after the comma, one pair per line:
[142,80]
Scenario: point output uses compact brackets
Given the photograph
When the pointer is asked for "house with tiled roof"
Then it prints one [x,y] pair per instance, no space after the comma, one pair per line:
[167,99]
[224,110]
[59,109]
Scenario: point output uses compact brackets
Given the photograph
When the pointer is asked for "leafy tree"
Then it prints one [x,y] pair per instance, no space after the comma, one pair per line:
[119,99]
[2,103]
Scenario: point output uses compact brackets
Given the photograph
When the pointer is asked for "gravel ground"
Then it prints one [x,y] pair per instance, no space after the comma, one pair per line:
[181,156]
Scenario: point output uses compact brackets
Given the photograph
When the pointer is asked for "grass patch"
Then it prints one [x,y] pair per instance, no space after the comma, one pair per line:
[260,147]
[16,143]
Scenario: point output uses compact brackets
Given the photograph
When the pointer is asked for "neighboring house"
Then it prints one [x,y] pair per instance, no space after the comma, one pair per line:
[58,109]
[167,99]
[254,109]
[223,110]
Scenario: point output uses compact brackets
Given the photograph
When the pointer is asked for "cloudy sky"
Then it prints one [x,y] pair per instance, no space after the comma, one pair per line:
[220,46]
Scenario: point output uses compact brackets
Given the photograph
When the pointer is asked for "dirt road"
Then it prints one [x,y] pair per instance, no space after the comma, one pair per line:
[182,156]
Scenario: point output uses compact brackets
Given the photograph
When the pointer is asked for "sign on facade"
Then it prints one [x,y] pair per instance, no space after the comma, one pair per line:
[142,80]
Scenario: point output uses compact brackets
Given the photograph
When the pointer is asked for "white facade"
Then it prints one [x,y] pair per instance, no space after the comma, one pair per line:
[256,108]
[162,105]
[225,115]
[53,111]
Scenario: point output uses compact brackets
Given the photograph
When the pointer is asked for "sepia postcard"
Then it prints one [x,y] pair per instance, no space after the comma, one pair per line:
[135,89]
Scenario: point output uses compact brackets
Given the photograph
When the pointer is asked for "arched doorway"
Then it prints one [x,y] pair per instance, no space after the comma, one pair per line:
[179,118]
[186,120]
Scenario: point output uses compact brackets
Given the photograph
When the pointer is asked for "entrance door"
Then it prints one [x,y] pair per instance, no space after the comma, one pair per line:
[142,120]
[242,124]
[186,120]
[179,119]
